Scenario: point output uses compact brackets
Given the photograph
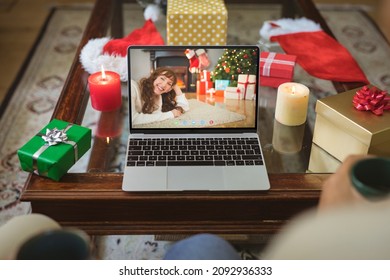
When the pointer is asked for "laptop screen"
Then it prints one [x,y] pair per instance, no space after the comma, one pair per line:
[193,88]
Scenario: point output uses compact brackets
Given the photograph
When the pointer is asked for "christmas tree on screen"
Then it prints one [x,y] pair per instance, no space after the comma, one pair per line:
[234,62]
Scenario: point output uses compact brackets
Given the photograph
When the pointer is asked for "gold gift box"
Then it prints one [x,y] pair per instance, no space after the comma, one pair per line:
[321,161]
[196,22]
[341,130]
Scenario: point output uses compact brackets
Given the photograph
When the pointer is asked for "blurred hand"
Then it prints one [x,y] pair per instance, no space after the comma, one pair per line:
[338,189]
[177,90]
[176,113]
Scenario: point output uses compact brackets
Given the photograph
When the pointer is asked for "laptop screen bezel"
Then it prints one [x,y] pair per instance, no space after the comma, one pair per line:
[195,130]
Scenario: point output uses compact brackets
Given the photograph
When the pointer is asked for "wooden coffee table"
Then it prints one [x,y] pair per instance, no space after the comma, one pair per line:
[95,202]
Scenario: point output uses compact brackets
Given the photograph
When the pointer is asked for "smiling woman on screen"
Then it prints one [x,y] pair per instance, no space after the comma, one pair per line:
[157,98]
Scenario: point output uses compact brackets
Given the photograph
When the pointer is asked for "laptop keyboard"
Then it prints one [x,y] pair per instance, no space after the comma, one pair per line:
[194,152]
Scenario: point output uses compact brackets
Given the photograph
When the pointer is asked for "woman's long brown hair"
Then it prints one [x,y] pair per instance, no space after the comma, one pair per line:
[147,92]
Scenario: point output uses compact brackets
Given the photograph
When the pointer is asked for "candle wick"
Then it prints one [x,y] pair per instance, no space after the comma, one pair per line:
[103,73]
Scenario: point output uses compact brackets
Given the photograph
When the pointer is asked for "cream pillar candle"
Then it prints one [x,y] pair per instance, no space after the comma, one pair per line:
[291,104]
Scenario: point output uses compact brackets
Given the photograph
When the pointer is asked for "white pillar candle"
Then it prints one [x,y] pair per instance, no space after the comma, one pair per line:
[291,104]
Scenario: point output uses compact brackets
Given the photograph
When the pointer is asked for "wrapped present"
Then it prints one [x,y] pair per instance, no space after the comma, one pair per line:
[219,93]
[220,86]
[247,84]
[194,22]
[341,129]
[55,149]
[205,84]
[205,75]
[202,87]
[276,68]
[321,161]
[233,93]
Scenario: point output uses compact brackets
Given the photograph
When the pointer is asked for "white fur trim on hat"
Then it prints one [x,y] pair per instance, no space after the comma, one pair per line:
[200,51]
[152,12]
[92,58]
[287,26]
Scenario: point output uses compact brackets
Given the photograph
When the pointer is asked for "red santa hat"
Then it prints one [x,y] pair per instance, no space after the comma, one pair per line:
[112,53]
[317,52]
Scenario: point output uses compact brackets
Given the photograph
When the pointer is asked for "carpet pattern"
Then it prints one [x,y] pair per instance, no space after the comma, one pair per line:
[33,102]
[34,99]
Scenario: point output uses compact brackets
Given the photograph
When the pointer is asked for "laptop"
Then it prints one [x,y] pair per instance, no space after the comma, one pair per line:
[212,144]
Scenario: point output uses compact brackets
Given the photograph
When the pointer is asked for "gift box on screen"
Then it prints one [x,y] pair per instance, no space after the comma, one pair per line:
[205,75]
[341,129]
[233,93]
[247,85]
[220,86]
[276,68]
[204,85]
[194,22]
[55,149]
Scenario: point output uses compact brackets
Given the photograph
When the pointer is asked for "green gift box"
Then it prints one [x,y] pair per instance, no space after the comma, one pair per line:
[55,149]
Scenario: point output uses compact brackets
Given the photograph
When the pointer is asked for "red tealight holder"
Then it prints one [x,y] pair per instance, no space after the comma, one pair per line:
[105,91]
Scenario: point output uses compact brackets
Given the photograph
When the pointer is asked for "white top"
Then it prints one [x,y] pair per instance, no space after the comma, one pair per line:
[141,118]
[348,232]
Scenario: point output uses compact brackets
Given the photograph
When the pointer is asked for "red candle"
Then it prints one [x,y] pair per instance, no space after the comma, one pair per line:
[105,91]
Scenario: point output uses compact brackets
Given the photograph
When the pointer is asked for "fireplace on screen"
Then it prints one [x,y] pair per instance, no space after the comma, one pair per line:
[178,62]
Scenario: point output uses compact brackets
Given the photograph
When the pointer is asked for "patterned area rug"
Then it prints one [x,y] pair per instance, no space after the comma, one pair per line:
[34,99]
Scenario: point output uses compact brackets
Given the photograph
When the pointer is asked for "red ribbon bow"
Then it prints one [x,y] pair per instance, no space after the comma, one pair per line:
[371,99]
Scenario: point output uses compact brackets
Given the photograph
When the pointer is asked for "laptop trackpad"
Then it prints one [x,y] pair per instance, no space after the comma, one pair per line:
[195,178]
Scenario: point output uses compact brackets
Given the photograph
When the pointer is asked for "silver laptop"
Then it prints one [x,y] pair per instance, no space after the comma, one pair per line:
[190,127]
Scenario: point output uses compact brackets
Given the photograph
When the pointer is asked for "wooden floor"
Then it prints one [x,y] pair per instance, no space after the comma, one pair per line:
[20,24]
[21,21]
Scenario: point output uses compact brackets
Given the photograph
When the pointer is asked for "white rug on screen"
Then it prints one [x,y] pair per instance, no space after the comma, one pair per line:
[198,111]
